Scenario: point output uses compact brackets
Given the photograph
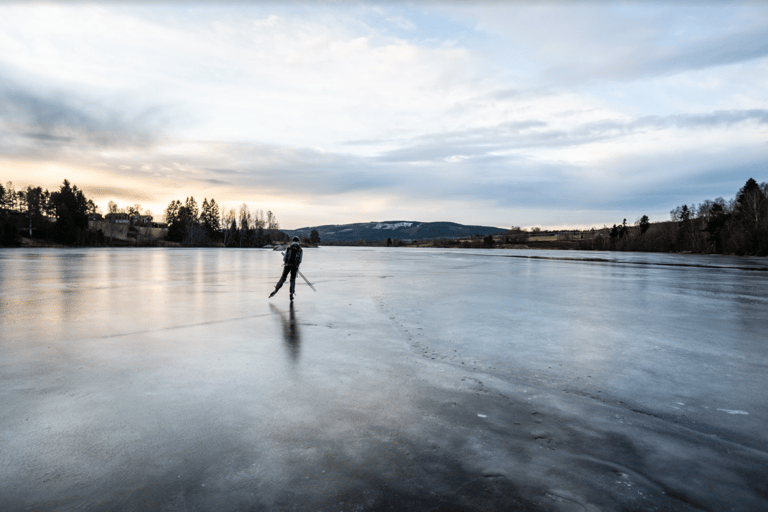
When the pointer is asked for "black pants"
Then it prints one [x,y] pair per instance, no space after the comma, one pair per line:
[293,270]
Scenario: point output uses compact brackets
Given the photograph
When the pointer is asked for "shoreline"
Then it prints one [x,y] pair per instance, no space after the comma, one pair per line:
[32,243]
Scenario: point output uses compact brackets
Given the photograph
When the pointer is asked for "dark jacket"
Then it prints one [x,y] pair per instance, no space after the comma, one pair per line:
[293,254]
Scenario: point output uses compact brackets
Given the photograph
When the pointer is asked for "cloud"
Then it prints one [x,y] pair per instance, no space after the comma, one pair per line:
[561,44]
[286,170]
[401,22]
[131,194]
[486,141]
[33,123]
[644,62]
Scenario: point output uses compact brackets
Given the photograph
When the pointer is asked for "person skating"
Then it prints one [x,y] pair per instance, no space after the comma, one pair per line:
[291,259]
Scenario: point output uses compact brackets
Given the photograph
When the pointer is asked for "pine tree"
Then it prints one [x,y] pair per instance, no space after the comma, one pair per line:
[214,215]
[644,224]
[751,212]
[172,212]
[192,209]
[717,220]
[210,217]
[10,197]
[71,213]
[204,210]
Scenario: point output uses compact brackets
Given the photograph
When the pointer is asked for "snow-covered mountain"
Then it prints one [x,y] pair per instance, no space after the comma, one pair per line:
[396,230]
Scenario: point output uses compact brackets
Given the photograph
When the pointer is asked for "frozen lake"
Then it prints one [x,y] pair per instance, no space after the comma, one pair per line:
[165,379]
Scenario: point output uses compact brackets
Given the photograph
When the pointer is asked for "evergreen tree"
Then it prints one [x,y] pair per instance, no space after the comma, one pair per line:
[234,233]
[10,196]
[685,213]
[172,212]
[717,220]
[49,209]
[214,216]
[751,212]
[177,228]
[644,224]
[9,234]
[204,211]
[209,216]
[71,214]
[623,229]
[34,207]
[192,210]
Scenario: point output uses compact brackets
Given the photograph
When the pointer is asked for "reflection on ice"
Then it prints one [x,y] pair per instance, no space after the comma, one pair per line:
[291,334]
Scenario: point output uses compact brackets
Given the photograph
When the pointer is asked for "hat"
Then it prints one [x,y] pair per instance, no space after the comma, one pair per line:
[295,239]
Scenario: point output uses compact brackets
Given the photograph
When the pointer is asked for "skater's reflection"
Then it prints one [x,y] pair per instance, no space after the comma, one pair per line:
[291,334]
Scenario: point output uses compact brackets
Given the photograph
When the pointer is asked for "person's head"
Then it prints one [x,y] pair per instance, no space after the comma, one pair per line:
[295,240]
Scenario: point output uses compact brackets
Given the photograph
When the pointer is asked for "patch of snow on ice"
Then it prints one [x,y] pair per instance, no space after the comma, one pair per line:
[730,411]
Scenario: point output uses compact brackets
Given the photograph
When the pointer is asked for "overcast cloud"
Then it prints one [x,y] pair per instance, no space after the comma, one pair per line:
[548,114]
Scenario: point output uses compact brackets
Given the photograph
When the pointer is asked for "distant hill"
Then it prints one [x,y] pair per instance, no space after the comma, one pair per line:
[400,230]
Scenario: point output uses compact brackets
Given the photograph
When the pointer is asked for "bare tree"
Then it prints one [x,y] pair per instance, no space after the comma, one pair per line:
[258,219]
[245,225]
[272,223]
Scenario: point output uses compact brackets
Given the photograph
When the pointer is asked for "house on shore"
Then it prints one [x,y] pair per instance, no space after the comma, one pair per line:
[123,227]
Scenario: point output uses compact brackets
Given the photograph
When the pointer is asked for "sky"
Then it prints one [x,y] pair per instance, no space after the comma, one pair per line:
[500,113]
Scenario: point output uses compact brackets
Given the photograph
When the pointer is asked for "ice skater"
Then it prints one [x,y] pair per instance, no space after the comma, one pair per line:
[291,261]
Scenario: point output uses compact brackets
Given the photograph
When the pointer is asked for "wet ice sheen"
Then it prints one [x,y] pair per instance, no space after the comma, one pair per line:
[411,379]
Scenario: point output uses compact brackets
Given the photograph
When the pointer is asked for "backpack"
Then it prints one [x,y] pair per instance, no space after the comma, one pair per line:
[293,255]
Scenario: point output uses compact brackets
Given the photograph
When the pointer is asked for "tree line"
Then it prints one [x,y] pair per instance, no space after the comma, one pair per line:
[62,217]
[208,225]
[738,226]
[190,226]
[241,228]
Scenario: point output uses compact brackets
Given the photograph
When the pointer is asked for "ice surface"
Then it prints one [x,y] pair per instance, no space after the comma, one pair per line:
[138,379]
